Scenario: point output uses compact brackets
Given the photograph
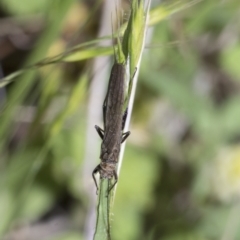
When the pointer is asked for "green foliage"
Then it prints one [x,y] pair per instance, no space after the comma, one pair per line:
[133,36]
[230,59]
[134,191]
[171,186]
[102,230]
[25,6]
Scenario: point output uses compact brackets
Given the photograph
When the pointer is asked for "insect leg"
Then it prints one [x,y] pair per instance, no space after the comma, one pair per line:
[125,136]
[116,180]
[99,131]
[124,118]
[95,171]
[104,108]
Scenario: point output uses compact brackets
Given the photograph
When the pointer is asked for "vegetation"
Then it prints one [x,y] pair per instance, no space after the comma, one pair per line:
[180,176]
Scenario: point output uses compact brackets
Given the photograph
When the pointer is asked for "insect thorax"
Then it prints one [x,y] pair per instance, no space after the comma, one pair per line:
[107,170]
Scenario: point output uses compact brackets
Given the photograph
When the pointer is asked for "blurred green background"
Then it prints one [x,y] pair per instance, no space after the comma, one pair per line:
[180,178]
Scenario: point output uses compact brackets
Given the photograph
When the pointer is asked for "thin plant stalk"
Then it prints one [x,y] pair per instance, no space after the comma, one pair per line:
[133,87]
[126,50]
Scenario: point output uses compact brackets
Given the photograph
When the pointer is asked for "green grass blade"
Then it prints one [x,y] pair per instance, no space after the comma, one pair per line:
[163,11]
[23,189]
[57,12]
[134,40]
[132,47]
[102,231]
[75,98]
[78,53]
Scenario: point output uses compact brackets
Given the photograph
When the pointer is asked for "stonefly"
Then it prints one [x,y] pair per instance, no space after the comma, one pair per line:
[114,120]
